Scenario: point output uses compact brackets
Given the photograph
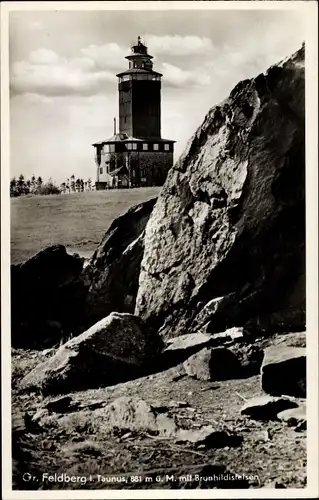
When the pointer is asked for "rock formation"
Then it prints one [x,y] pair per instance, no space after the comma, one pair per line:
[224,245]
[111,276]
[284,370]
[43,297]
[235,361]
[54,297]
[116,349]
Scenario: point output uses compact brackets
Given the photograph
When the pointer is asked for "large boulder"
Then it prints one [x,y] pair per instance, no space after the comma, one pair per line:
[111,277]
[213,364]
[283,370]
[135,414]
[225,242]
[178,349]
[116,349]
[43,291]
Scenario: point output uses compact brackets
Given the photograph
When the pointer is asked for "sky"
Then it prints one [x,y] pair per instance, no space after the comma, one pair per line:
[63,88]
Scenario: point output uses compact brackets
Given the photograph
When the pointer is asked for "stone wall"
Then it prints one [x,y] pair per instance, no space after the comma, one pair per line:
[143,168]
[152,167]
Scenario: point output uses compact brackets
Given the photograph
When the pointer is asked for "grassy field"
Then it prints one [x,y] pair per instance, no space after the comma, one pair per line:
[77,220]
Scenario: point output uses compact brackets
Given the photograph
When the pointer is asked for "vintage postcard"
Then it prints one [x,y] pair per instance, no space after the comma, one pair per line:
[159,249]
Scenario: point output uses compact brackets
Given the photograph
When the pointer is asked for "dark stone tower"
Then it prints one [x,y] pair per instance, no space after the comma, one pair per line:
[140,95]
[137,155]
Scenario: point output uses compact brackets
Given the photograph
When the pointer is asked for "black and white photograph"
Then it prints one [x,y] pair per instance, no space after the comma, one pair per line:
[159,274]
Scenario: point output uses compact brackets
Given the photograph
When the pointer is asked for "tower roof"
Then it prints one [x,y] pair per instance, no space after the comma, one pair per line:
[133,71]
[139,48]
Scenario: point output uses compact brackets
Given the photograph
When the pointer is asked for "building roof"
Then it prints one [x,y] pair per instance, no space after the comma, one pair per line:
[113,138]
[125,138]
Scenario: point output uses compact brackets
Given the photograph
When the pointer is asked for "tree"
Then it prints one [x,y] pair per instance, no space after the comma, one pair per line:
[72,183]
[89,183]
[21,185]
[78,185]
[28,187]
[33,184]
[82,185]
[39,184]
[13,187]
[63,187]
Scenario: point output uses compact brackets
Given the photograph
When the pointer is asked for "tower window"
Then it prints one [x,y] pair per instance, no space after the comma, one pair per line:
[101,170]
[134,145]
[155,147]
[125,78]
[166,147]
[112,148]
[129,146]
[145,147]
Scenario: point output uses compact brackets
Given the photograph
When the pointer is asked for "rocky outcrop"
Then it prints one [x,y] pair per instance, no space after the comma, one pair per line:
[224,245]
[43,292]
[116,349]
[179,349]
[283,370]
[111,277]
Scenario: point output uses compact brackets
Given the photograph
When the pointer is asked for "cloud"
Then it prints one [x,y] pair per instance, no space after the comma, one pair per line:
[43,56]
[48,74]
[109,56]
[177,77]
[33,98]
[177,45]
